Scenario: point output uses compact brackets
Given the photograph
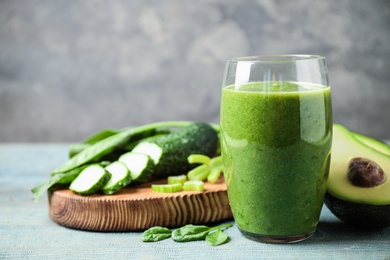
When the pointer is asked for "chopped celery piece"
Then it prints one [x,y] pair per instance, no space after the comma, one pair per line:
[199,173]
[214,174]
[199,158]
[216,169]
[167,188]
[216,162]
[177,179]
[194,185]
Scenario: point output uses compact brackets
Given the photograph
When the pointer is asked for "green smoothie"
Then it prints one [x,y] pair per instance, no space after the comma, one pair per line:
[276,141]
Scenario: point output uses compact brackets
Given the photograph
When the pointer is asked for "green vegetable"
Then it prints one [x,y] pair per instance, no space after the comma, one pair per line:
[214,174]
[216,169]
[59,179]
[177,179]
[167,188]
[198,158]
[77,148]
[193,185]
[120,177]
[98,136]
[141,166]
[217,238]
[170,152]
[210,169]
[155,234]
[100,145]
[191,232]
[90,180]
[199,173]
[188,233]
[107,145]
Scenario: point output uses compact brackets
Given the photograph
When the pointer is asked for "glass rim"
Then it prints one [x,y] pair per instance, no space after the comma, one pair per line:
[276,58]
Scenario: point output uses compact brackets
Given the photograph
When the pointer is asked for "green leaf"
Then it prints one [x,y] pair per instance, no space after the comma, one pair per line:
[190,232]
[193,232]
[103,134]
[155,234]
[217,238]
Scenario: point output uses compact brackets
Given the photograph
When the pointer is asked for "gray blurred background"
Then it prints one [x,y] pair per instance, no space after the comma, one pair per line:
[70,68]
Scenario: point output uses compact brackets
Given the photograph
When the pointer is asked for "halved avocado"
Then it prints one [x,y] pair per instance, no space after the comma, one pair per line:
[366,204]
[373,143]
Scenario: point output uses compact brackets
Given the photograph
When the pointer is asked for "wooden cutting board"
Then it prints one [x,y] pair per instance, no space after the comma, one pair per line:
[138,208]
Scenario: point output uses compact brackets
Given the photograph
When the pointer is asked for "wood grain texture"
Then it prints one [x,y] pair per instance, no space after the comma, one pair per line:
[138,208]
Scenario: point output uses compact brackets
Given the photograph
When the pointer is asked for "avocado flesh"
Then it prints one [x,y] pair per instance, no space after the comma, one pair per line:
[373,143]
[345,147]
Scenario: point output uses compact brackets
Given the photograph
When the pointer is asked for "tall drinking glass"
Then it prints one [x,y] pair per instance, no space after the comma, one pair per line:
[276,134]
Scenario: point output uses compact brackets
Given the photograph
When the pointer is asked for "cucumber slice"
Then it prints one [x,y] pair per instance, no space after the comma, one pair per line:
[177,179]
[90,180]
[140,165]
[167,188]
[194,185]
[120,177]
[150,149]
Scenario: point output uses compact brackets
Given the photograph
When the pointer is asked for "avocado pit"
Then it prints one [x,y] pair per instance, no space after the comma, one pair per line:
[365,173]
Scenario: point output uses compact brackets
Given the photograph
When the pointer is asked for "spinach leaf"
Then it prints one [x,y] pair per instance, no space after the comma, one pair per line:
[103,134]
[190,233]
[155,234]
[94,138]
[217,238]
[193,232]
[96,151]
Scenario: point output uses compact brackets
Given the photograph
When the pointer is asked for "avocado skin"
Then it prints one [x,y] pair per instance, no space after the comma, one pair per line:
[360,215]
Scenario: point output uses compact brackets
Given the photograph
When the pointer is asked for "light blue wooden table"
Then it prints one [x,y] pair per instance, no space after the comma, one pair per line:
[27,232]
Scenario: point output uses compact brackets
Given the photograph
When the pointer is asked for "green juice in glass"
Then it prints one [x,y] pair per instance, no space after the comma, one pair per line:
[276,141]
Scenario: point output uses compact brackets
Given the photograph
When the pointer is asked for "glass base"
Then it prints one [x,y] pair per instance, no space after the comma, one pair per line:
[276,239]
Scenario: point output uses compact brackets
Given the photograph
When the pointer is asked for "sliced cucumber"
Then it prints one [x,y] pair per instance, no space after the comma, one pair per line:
[120,177]
[140,165]
[167,188]
[90,180]
[194,185]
